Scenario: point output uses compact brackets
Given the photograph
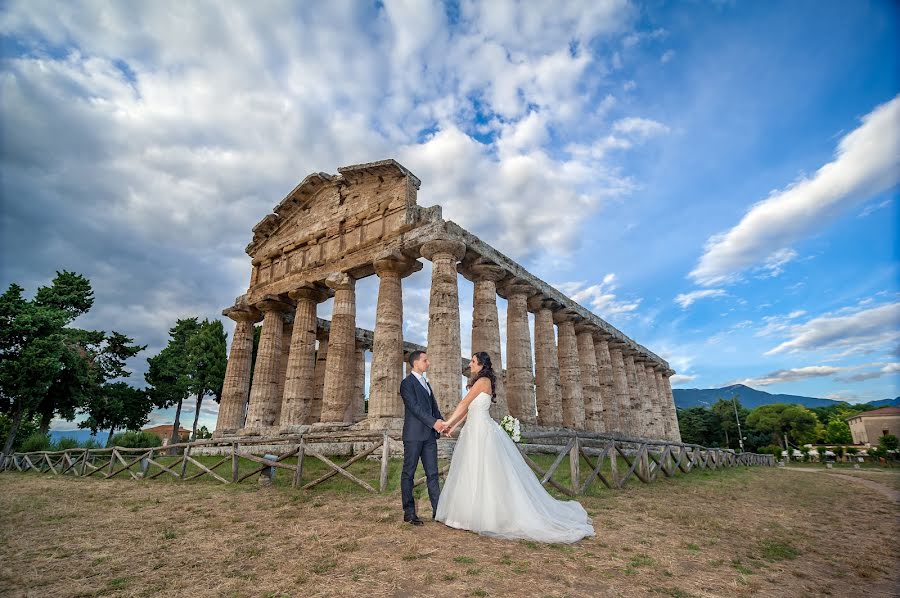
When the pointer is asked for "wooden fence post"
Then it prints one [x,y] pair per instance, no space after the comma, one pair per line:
[385,458]
[575,465]
[234,462]
[301,454]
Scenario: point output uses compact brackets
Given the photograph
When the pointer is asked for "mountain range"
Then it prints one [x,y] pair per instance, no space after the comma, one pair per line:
[751,398]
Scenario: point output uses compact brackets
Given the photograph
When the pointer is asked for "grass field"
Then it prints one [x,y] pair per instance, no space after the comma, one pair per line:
[733,532]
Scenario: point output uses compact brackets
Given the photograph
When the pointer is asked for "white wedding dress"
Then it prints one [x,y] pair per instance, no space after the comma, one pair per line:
[491,490]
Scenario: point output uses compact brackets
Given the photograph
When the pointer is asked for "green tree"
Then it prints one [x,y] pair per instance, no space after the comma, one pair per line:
[168,377]
[699,425]
[207,359]
[888,442]
[117,405]
[724,410]
[32,344]
[785,423]
[837,432]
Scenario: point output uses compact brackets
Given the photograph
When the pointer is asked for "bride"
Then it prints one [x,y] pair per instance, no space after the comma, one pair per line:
[489,488]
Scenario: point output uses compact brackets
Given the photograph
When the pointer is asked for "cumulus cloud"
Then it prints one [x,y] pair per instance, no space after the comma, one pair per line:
[792,375]
[866,162]
[685,300]
[678,379]
[642,127]
[866,330]
[601,298]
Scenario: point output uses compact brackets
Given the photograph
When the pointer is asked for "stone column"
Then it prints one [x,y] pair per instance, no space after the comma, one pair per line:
[648,424]
[634,396]
[609,418]
[486,326]
[590,380]
[665,421]
[569,373]
[340,368]
[656,406]
[356,410]
[669,402]
[546,365]
[319,388]
[287,332]
[387,346]
[519,372]
[236,387]
[299,384]
[444,349]
[622,392]
[264,393]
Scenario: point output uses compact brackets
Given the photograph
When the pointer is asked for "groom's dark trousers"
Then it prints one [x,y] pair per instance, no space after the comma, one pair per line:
[419,442]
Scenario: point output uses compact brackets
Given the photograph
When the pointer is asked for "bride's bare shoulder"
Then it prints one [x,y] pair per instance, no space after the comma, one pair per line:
[482,384]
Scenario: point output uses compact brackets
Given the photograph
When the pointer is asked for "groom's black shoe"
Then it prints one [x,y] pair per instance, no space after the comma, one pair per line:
[413,519]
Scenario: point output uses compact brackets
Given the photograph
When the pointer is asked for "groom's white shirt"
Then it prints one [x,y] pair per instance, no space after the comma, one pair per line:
[422,380]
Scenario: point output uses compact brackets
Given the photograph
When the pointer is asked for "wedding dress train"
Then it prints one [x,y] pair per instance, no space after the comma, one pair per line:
[491,490]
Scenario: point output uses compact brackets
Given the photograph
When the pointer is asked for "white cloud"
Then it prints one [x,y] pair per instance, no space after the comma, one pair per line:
[874,207]
[667,56]
[867,162]
[864,331]
[601,298]
[678,379]
[639,127]
[792,375]
[685,300]
[886,370]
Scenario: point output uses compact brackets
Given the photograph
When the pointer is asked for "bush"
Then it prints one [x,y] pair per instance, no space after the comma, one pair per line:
[65,443]
[91,443]
[852,450]
[36,442]
[132,439]
[888,442]
[772,449]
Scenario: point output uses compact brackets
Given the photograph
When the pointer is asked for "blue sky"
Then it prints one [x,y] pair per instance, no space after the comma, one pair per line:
[719,180]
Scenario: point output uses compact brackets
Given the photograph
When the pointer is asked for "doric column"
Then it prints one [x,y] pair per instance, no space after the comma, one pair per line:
[340,367]
[648,423]
[665,420]
[299,384]
[486,326]
[656,415]
[387,346]
[236,387]
[519,372]
[546,365]
[634,396]
[444,349]
[287,332]
[669,402]
[319,388]
[264,393]
[622,392]
[590,380]
[356,410]
[569,372]
[609,418]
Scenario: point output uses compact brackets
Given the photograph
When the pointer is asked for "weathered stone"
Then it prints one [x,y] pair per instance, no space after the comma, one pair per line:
[675,431]
[609,418]
[635,425]
[648,424]
[546,366]
[356,410]
[387,350]
[486,327]
[299,387]
[656,405]
[621,390]
[570,374]
[519,373]
[319,385]
[340,365]
[264,397]
[444,350]
[287,330]
[236,387]
[590,380]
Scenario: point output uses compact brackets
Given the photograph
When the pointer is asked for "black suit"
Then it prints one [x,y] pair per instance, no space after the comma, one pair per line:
[419,441]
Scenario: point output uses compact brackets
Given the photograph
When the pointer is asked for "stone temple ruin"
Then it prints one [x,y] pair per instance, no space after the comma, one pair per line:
[333,230]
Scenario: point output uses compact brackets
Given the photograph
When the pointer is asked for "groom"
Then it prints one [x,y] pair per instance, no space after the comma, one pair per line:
[422,424]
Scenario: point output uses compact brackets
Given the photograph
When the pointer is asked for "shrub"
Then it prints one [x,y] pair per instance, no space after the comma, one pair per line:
[91,443]
[772,449]
[888,442]
[65,443]
[852,450]
[132,439]
[36,442]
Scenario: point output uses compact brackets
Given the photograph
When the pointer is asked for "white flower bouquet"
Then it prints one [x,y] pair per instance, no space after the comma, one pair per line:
[511,426]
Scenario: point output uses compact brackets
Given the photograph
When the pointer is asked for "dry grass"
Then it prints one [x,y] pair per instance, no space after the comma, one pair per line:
[739,532]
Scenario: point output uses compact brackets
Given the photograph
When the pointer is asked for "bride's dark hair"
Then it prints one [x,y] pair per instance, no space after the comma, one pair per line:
[486,371]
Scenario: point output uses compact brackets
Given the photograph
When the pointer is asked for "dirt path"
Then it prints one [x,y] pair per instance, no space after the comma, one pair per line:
[92,537]
[894,495]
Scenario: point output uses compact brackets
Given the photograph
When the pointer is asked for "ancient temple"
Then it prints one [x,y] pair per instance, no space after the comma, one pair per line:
[333,230]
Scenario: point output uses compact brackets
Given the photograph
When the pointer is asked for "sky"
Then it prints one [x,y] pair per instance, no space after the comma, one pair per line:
[719,180]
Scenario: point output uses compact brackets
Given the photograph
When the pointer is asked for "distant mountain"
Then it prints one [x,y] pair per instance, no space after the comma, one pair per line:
[79,435]
[752,398]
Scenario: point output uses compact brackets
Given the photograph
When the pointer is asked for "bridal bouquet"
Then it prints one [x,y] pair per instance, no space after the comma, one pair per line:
[511,426]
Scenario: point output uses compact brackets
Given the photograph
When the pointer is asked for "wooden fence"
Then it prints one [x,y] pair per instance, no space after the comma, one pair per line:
[643,459]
